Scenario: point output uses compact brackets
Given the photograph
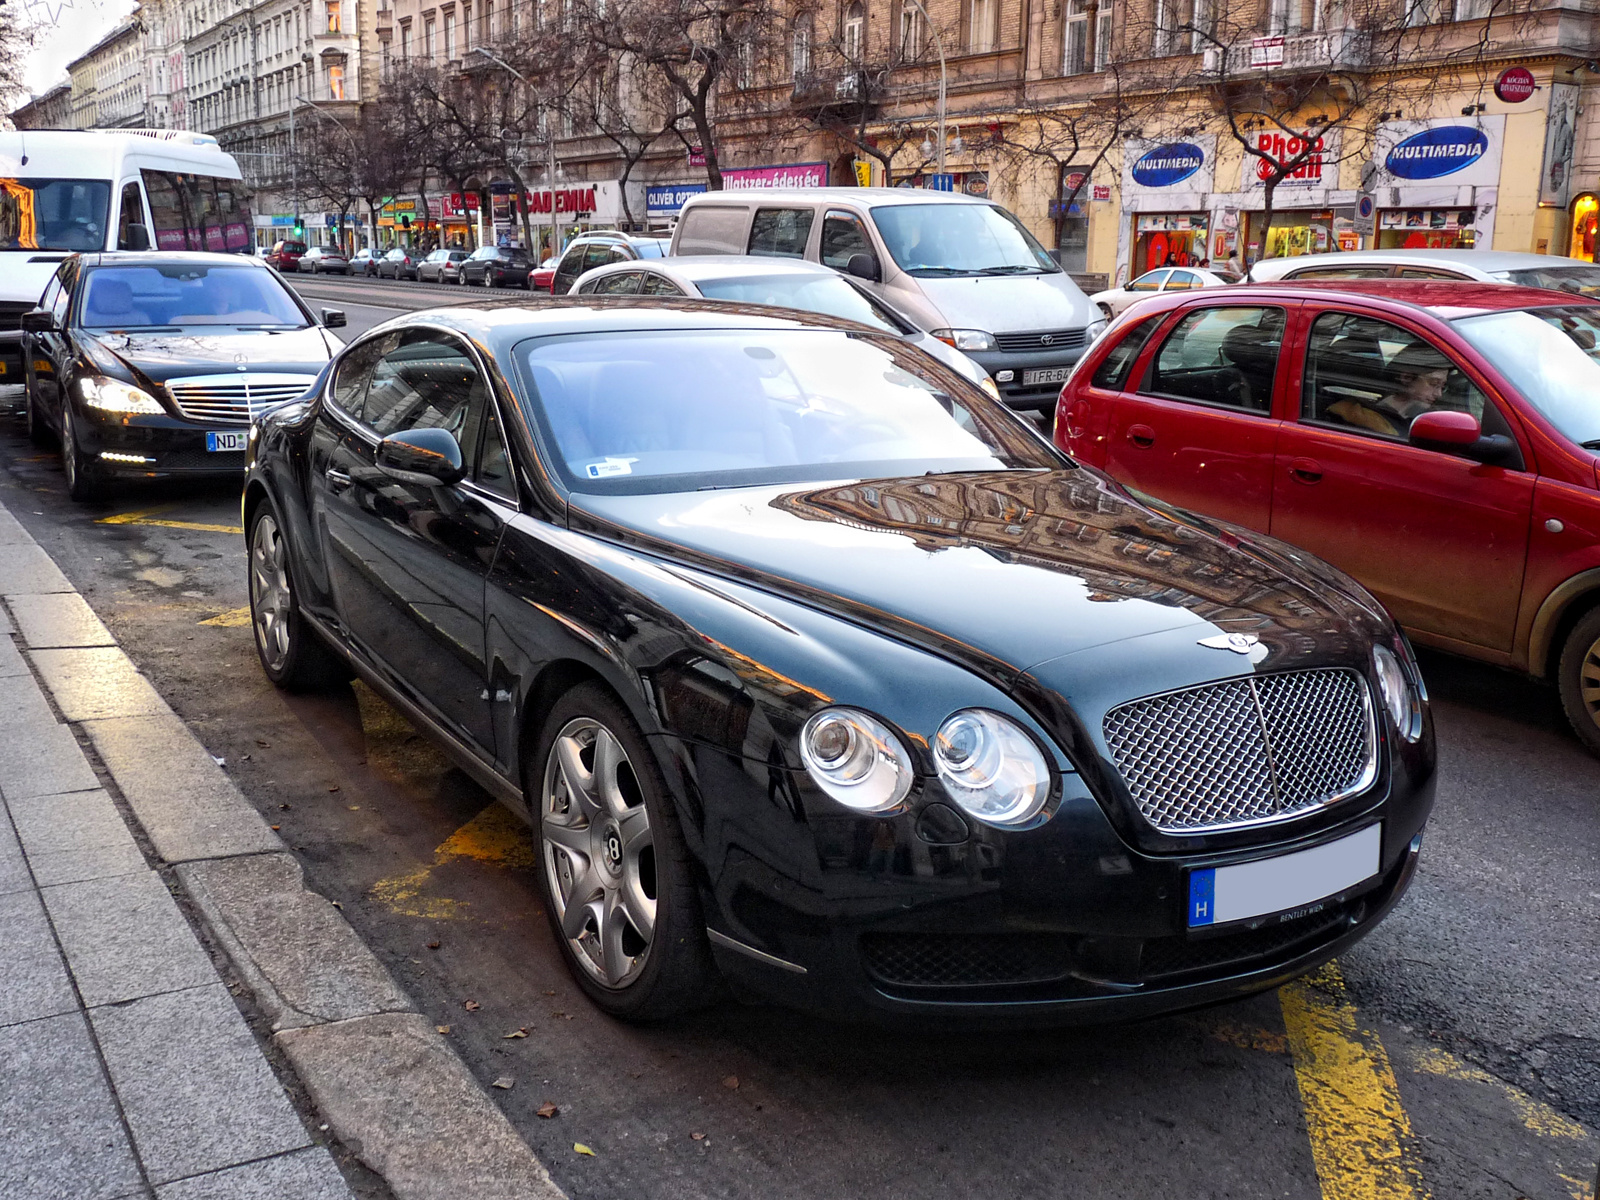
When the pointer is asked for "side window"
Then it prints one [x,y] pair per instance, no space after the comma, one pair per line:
[1112,373]
[659,285]
[1372,377]
[1426,273]
[428,382]
[52,292]
[176,225]
[623,283]
[132,213]
[712,229]
[570,267]
[63,300]
[1225,356]
[494,470]
[842,235]
[1340,273]
[1182,281]
[780,232]
[355,369]
[1150,281]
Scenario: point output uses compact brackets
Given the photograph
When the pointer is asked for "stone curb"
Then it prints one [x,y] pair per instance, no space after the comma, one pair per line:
[392,1090]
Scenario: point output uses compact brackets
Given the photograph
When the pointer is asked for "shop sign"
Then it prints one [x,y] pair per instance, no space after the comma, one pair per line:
[697,156]
[1435,153]
[663,200]
[1266,52]
[1280,148]
[566,200]
[1515,85]
[1102,192]
[1167,164]
[1560,134]
[796,176]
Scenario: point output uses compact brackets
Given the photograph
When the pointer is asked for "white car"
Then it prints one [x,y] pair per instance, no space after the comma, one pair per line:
[1486,266]
[1162,279]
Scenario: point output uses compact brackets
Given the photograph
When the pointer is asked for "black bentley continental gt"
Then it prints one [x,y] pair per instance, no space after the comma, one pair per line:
[814,668]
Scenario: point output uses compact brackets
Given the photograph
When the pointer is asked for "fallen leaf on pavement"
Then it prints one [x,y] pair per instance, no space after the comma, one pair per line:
[277,827]
[284,807]
[582,1149]
[334,788]
[731,1083]
[515,1033]
[221,762]
[549,993]
[472,1006]
[433,945]
[442,1028]
[355,808]
[563,1016]
[263,745]
[546,1110]
[336,904]
[503,1083]
[699,1137]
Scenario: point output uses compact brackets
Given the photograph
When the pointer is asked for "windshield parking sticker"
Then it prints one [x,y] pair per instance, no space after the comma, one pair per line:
[608,466]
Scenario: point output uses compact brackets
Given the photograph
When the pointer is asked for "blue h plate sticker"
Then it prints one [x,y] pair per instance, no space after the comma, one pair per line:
[1202,897]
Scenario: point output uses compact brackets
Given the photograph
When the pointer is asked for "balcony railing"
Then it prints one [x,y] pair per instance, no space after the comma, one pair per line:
[1297,53]
[845,89]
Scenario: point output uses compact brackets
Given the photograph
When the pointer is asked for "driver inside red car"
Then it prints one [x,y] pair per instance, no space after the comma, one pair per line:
[1420,375]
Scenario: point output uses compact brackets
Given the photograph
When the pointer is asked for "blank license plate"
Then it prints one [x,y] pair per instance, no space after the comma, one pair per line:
[1046,375]
[227,441]
[1284,884]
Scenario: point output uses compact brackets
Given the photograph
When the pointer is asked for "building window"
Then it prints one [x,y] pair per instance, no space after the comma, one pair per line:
[1085,53]
[428,43]
[405,42]
[1471,10]
[853,41]
[466,26]
[745,65]
[333,16]
[450,35]
[980,32]
[1202,30]
[336,83]
[800,48]
[489,31]
[913,32]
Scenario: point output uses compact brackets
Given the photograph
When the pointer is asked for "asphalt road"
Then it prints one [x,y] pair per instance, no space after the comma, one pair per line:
[1454,1053]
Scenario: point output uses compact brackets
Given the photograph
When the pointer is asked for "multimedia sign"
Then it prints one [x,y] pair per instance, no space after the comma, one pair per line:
[1178,166]
[1441,151]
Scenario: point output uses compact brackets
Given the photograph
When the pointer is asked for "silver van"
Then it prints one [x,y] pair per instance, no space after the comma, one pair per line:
[964,269]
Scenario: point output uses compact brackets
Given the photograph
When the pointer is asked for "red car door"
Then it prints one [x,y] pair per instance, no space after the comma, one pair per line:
[1198,429]
[1440,538]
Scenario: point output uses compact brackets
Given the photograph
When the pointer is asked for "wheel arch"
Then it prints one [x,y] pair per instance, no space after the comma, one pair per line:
[1562,609]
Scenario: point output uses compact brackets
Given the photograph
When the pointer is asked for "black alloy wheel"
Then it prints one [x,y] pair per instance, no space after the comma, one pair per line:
[292,655]
[618,884]
[83,476]
[1578,678]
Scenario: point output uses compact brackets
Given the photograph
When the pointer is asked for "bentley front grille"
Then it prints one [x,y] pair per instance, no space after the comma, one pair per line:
[1247,751]
[234,399]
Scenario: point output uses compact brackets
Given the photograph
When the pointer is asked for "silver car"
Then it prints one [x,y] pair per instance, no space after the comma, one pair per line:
[323,260]
[1487,266]
[783,283]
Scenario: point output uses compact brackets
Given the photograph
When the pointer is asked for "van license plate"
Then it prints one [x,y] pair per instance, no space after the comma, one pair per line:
[232,440]
[1046,375]
[1287,883]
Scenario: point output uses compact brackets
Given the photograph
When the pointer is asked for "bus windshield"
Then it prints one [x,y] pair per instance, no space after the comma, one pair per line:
[53,214]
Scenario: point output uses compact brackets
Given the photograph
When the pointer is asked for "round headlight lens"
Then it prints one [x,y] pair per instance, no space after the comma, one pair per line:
[1398,697]
[991,768]
[856,759]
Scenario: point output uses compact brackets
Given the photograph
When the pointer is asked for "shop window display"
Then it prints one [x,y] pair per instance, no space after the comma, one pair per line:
[1585,217]
[1426,229]
[1169,239]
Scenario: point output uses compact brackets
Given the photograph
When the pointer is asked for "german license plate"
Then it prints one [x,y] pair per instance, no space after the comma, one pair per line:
[1290,882]
[231,440]
[1046,375]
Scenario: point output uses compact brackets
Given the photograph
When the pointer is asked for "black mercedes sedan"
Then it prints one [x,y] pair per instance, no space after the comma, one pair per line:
[148,365]
[814,668]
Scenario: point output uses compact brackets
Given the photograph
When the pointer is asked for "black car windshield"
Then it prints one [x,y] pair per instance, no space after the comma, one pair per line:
[1550,355]
[829,295]
[53,214]
[181,295]
[670,411]
[1580,280]
[931,240]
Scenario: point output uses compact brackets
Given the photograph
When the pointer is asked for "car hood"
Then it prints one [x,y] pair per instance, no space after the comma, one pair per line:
[24,274]
[157,357]
[1008,303]
[1007,572]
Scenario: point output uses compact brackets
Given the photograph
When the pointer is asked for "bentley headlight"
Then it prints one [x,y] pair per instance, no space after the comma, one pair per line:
[991,768]
[1398,695]
[856,759]
[112,395]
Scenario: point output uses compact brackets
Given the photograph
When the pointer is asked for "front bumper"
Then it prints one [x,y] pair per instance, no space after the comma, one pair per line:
[163,446]
[1039,397]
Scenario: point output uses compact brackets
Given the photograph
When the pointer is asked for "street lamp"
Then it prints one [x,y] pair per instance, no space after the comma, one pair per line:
[553,169]
[943,80]
[295,101]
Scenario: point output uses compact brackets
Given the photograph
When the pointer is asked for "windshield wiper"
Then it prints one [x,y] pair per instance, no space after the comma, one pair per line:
[143,328]
[1592,444]
[939,271]
[1012,270]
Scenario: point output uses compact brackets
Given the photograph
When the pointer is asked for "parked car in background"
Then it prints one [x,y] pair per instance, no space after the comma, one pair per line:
[399,263]
[966,270]
[1487,266]
[151,365]
[496,266]
[1162,279]
[784,283]
[323,260]
[441,266]
[590,250]
[716,597]
[365,262]
[285,255]
[539,279]
[1438,441]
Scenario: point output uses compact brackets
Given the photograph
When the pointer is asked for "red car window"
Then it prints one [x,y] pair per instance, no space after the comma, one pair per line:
[1221,355]
[1112,373]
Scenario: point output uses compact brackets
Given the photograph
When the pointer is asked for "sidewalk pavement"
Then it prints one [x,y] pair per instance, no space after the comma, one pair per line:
[127,1068]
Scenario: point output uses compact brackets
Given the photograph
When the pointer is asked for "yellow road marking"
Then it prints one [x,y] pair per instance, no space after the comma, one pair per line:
[147,517]
[1536,1115]
[1361,1138]
[494,836]
[231,619]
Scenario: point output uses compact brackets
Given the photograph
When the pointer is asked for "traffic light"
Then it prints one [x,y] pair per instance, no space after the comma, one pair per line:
[299,230]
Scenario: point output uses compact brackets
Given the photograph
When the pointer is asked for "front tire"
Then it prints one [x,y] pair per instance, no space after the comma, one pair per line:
[293,657]
[39,433]
[1578,678]
[84,482]
[618,883]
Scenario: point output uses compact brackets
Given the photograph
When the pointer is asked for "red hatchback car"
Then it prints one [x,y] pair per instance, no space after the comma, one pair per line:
[1438,441]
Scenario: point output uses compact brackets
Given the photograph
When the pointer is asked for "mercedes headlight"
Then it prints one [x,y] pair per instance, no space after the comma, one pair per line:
[112,395]
[856,759]
[965,339]
[991,768]
[1399,695]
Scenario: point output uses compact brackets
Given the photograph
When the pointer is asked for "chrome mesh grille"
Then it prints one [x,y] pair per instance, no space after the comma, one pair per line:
[234,399]
[1245,751]
[1043,339]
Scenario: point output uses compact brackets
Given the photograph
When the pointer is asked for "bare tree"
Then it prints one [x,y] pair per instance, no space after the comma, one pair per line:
[16,39]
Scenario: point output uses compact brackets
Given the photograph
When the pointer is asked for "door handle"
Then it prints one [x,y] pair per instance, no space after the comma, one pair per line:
[1305,470]
[337,479]
[1141,435]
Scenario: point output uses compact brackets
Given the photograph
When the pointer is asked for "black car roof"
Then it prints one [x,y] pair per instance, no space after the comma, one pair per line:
[106,258]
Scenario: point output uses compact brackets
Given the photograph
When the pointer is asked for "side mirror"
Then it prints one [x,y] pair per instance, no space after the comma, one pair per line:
[1443,428]
[137,238]
[38,320]
[333,318]
[863,266]
[426,456]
